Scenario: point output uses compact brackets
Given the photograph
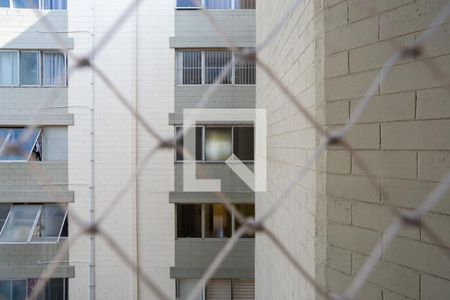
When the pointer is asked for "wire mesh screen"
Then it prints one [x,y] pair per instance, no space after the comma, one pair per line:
[218,66]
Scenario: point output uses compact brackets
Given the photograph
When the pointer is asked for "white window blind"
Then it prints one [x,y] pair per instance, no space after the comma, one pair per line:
[54,68]
[218,290]
[243,289]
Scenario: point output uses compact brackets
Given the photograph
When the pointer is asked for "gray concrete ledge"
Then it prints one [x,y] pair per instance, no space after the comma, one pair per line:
[205,197]
[237,273]
[35,272]
[36,197]
[38,120]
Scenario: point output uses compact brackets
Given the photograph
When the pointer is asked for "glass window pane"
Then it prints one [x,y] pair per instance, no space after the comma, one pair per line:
[4,211]
[4,133]
[218,4]
[20,144]
[244,143]
[189,221]
[248,210]
[50,224]
[217,143]
[55,4]
[29,68]
[217,221]
[5,289]
[188,3]
[215,62]
[9,68]
[54,65]
[19,289]
[4,3]
[55,289]
[18,227]
[25,4]
[198,144]
[189,67]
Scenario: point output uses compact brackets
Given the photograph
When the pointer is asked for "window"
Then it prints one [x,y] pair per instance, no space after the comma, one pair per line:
[230,289]
[9,73]
[54,68]
[209,220]
[189,221]
[215,63]
[20,144]
[55,289]
[217,144]
[35,4]
[33,68]
[216,4]
[198,144]
[4,210]
[34,224]
[195,67]
[217,221]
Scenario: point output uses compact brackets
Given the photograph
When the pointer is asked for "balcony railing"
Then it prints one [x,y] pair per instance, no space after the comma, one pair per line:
[216,4]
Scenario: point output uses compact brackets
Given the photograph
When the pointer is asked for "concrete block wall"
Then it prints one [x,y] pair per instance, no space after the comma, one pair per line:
[402,137]
[296,57]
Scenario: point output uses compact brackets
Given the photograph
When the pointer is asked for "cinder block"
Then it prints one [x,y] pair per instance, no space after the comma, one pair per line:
[351,86]
[353,238]
[417,75]
[374,56]
[433,103]
[338,161]
[417,255]
[411,194]
[434,288]
[409,18]
[379,217]
[392,107]
[339,210]
[417,135]
[340,259]
[433,165]
[338,282]
[389,164]
[336,64]
[352,35]
[361,136]
[391,276]
[360,9]
[439,224]
[353,187]
[336,16]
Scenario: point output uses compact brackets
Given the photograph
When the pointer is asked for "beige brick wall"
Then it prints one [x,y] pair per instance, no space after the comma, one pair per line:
[403,136]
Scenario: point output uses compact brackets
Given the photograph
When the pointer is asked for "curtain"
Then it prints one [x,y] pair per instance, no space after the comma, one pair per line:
[55,4]
[54,68]
[8,68]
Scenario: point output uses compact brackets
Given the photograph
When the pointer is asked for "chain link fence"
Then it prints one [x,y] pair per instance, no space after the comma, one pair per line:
[258,224]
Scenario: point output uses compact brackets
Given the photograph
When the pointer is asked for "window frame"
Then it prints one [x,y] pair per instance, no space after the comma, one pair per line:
[18,67]
[40,68]
[65,281]
[234,60]
[204,161]
[233,224]
[40,6]
[37,140]
[33,228]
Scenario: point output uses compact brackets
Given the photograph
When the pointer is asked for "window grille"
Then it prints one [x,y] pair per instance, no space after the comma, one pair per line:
[195,67]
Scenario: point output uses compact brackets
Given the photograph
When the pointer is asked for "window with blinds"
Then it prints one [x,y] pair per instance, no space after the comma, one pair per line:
[227,289]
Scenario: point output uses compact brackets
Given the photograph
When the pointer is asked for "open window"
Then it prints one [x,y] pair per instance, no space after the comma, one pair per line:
[34,224]
[20,144]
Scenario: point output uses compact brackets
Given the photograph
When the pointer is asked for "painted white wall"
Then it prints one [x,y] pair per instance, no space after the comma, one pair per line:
[140,64]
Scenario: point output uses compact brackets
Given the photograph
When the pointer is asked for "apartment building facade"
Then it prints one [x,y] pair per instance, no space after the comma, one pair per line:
[328,54]
[34,191]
